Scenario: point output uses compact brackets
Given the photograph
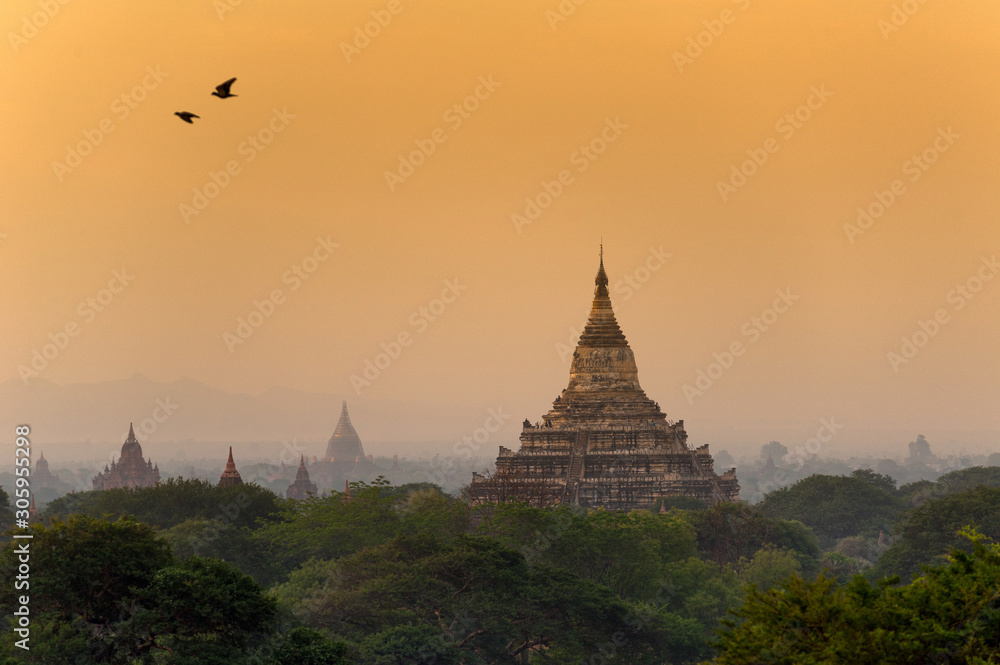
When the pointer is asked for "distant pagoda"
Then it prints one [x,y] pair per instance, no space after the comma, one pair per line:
[131,470]
[345,456]
[345,444]
[604,443]
[230,476]
[302,488]
[41,476]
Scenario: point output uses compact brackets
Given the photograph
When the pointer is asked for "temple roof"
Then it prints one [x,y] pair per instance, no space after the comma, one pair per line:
[302,487]
[602,328]
[131,447]
[603,389]
[345,444]
[230,476]
[302,474]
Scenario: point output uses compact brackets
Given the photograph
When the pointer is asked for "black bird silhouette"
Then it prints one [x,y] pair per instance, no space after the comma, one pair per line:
[186,117]
[222,90]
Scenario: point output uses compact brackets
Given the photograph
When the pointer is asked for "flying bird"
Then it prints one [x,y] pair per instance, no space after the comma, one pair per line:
[186,117]
[222,90]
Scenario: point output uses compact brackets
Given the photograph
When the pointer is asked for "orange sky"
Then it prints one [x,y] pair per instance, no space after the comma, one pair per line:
[329,127]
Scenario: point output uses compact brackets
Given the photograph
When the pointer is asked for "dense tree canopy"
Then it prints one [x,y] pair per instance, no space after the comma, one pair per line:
[408,574]
[111,592]
[835,507]
[472,599]
[174,501]
[928,532]
[951,614]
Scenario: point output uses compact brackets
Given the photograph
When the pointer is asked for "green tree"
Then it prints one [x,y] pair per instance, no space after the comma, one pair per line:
[305,646]
[775,450]
[729,532]
[927,533]
[219,540]
[951,614]
[701,591]
[332,527]
[174,501]
[768,566]
[920,452]
[967,479]
[111,592]
[418,597]
[85,567]
[875,479]
[835,507]
[6,510]
[623,551]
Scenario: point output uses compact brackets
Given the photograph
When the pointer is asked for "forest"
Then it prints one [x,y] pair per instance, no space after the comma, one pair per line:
[830,569]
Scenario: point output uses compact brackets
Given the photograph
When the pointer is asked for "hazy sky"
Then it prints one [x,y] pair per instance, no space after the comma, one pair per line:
[627,121]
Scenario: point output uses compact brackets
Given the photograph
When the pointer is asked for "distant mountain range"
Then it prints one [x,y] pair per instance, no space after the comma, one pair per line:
[188,411]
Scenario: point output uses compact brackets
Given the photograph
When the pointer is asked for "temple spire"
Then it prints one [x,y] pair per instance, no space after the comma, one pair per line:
[131,433]
[230,476]
[302,487]
[601,280]
[602,328]
[345,444]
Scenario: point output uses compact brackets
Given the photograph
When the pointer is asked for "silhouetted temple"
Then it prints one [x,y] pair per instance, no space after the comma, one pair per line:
[604,443]
[131,470]
[302,488]
[345,456]
[41,476]
[230,476]
[345,444]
